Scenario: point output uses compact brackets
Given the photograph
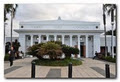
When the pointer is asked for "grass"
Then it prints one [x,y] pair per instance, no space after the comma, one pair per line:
[62,62]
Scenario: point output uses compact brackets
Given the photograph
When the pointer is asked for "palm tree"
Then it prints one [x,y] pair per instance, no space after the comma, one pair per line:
[9,9]
[111,8]
[104,22]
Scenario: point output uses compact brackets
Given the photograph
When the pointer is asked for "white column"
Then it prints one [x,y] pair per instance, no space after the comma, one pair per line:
[47,37]
[79,44]
[71,40]
[96,43]
[55,37]
[31,40]
[22,43]
[63,39]
[86,45]
[39,38]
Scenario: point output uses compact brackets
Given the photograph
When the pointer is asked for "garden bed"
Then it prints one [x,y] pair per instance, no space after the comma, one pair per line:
[61,62]
[109,59]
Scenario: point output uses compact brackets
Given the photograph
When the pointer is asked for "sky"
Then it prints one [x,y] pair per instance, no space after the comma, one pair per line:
[36,12]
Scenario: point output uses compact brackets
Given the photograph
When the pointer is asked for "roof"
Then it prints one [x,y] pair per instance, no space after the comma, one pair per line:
[59,21]
[59,25]
[58,30]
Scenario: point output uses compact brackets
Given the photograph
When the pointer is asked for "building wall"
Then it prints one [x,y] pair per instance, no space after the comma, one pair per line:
[8,39]
[96,43]
[102,42]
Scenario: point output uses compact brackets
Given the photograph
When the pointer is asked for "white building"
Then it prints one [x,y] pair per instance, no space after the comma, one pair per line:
[109,48]
[86,35]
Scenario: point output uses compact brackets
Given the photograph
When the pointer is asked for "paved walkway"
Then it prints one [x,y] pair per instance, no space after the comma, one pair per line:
[89,69]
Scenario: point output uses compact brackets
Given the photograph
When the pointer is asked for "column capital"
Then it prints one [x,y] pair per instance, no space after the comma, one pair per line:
[78,35]
[71,35]
[47,35]
[31,34]
[86,35]
[55,35]
[63,35]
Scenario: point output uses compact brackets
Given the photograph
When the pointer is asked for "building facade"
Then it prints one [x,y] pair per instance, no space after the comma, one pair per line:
[84,35]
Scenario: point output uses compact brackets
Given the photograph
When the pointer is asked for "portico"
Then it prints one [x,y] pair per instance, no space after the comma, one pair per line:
[83,35]
[73,40]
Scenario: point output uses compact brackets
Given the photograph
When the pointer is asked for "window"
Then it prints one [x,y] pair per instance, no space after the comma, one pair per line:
[36,42]
[28,37]
[82,43]
[44,38]
[21,26]
[96,27]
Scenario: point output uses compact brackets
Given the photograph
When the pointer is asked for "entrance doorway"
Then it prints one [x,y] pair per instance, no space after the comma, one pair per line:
[83,49]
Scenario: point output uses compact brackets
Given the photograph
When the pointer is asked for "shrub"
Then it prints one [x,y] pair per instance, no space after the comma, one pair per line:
[108,54]
[62,62]
[67,50]
[6,58]
[33,50]
[56,42]
[51,49]
[74,50]
[109,58]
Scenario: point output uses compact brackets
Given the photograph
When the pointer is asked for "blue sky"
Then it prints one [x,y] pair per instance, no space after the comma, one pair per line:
[80,12]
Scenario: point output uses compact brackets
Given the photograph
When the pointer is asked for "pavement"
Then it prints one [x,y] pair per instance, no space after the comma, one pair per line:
[89,69]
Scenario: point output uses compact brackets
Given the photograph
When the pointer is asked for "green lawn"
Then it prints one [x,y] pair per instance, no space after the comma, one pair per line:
[62,62]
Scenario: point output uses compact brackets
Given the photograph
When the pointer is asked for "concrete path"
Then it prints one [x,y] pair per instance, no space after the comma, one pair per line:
[89,69]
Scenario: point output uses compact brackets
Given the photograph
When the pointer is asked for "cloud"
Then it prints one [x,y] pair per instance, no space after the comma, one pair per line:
[81,12]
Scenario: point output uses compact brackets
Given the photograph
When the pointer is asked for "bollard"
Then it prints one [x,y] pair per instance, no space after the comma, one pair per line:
[107,70]
[33,70]
[70,70]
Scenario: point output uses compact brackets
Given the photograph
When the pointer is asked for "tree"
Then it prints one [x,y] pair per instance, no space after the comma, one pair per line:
[9,9]
[104,22]
[111,8]
[50,48]
[33,50]
[67,50]
[110,32]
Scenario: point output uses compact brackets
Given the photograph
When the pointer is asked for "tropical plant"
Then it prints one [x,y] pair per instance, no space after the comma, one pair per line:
[104,22]
[9,9]
[33,50]
[53,50]
[67,50]
[57,42]
[110,32]
[111,8]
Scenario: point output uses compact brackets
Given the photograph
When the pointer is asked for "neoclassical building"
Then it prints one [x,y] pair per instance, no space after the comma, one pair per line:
[84,35]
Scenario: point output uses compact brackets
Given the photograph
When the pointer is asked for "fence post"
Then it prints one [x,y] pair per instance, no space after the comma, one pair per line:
[70,70]
[33,70]
[107,69]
